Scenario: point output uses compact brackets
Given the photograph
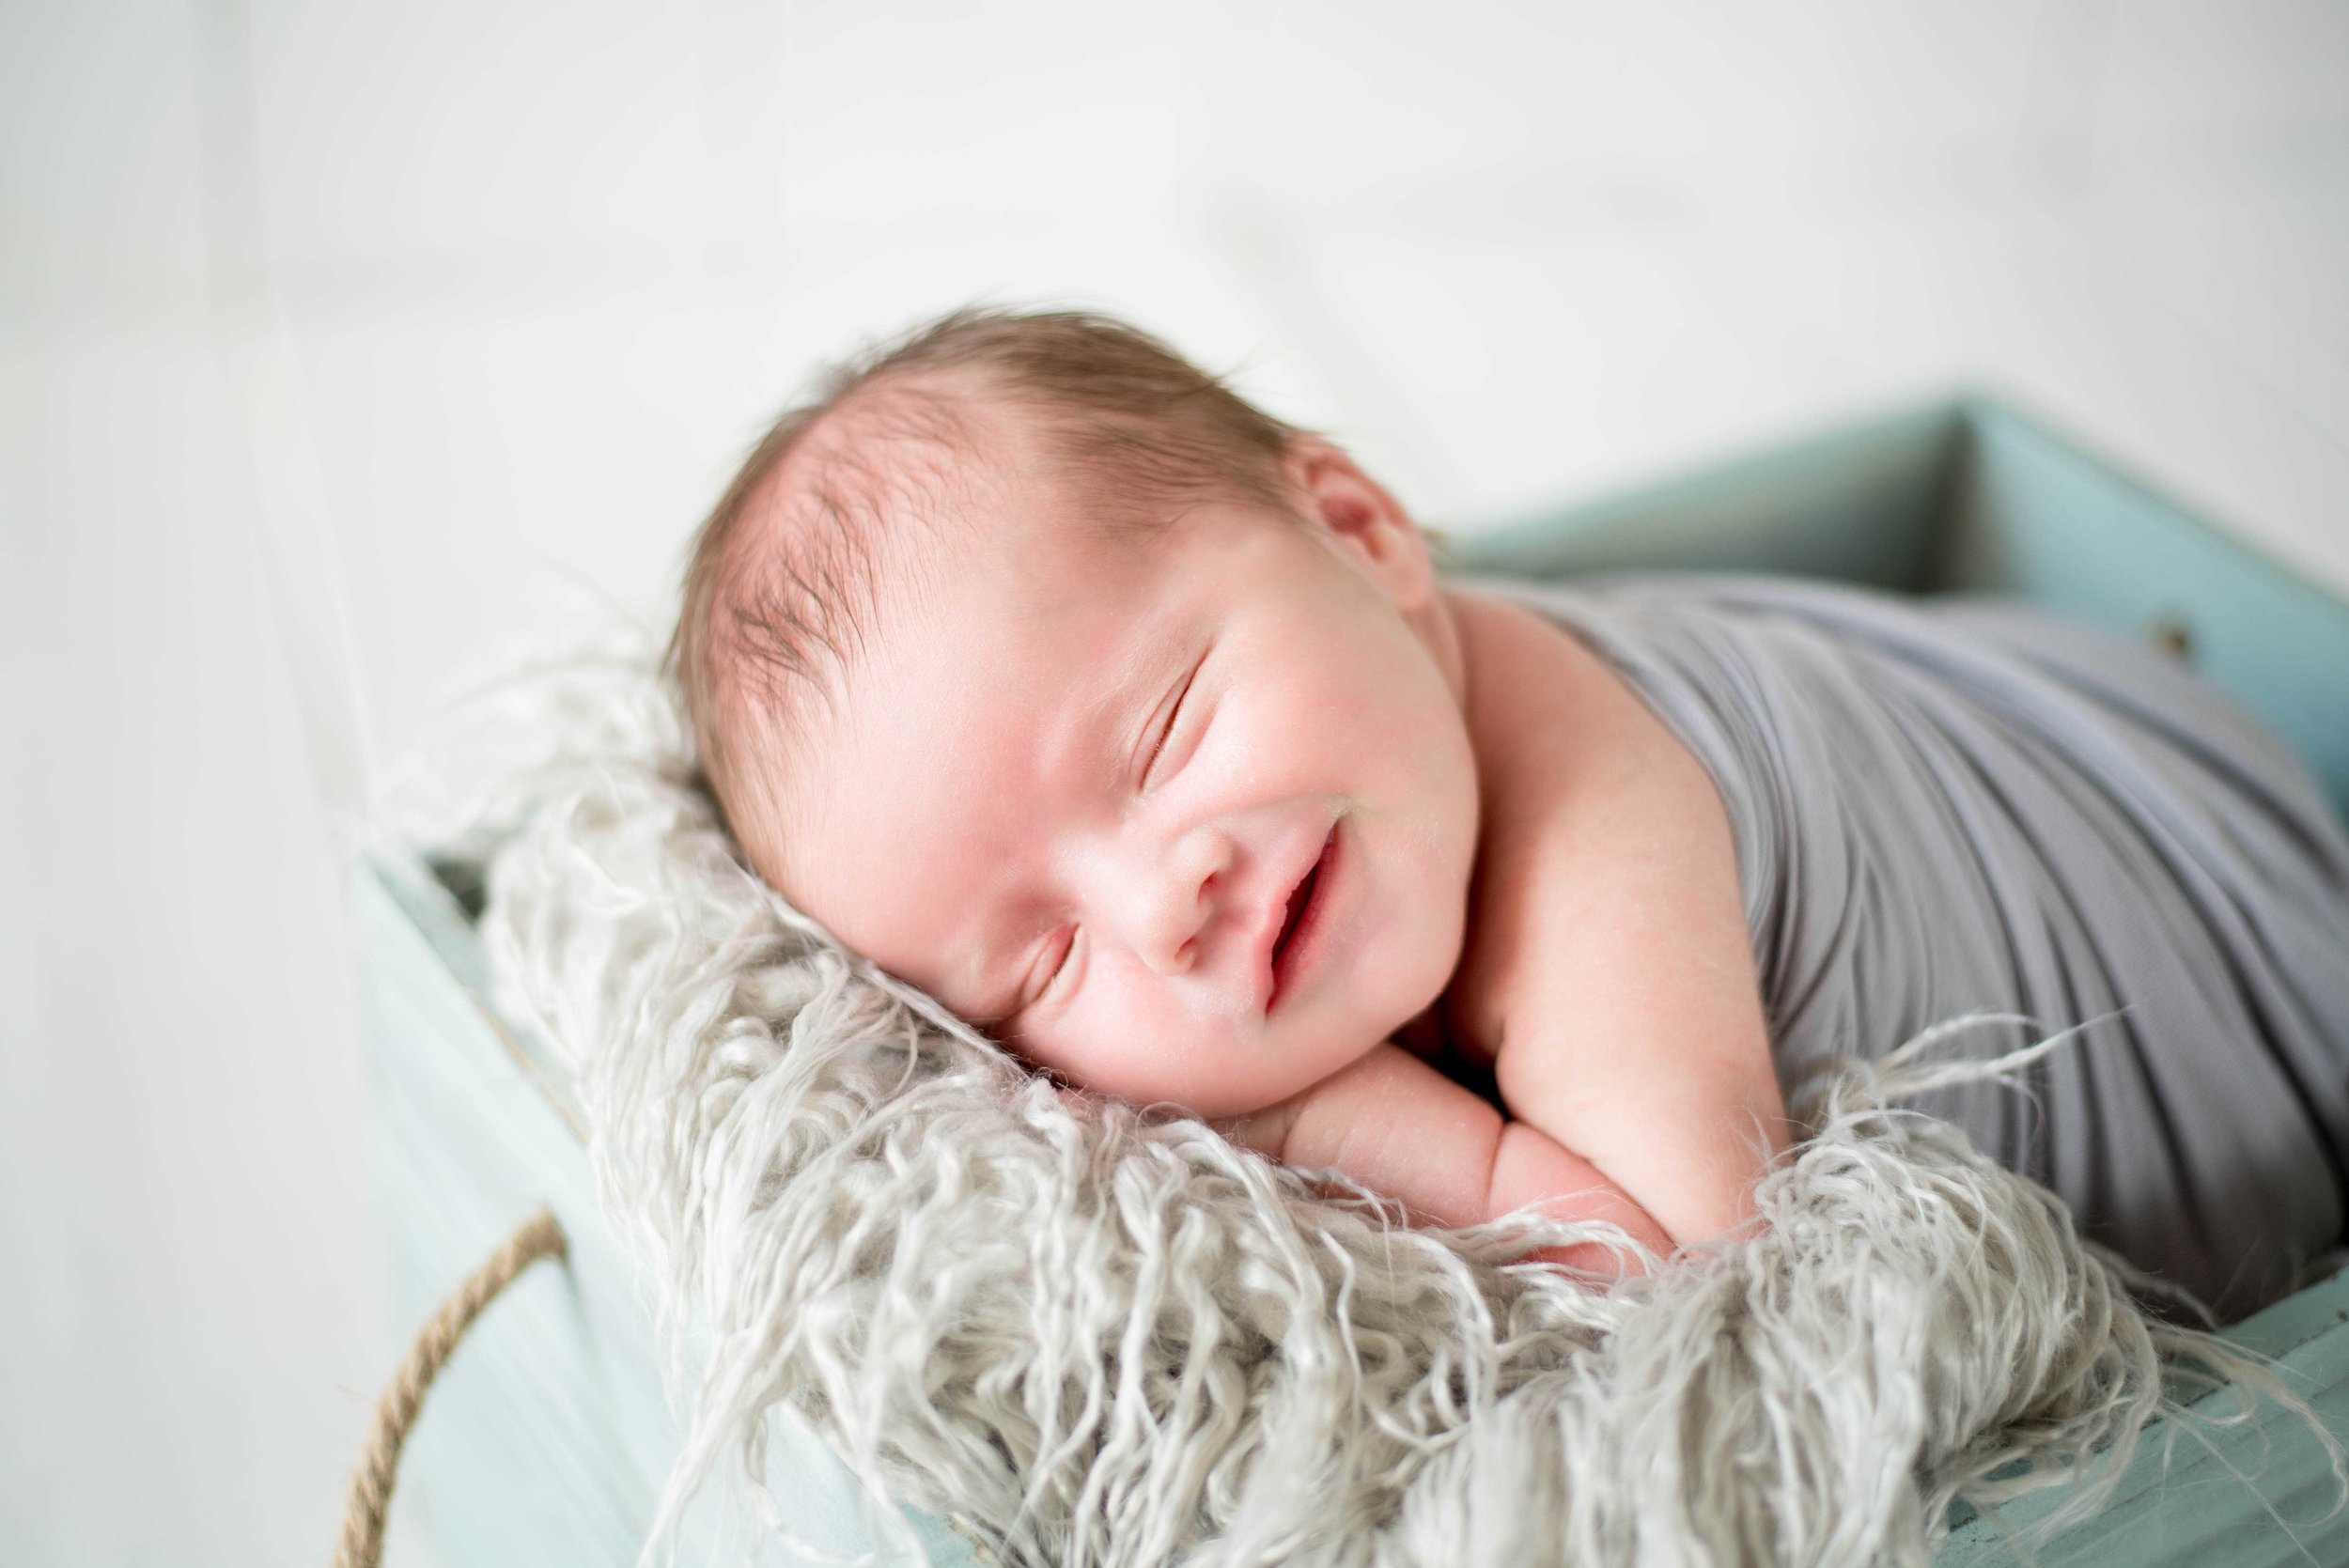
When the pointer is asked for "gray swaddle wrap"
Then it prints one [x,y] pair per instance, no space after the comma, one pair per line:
[1948,806]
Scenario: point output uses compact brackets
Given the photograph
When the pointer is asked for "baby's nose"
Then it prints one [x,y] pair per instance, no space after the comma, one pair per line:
[1183,892]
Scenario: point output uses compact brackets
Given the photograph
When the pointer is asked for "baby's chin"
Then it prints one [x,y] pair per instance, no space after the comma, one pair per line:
[1322,1060]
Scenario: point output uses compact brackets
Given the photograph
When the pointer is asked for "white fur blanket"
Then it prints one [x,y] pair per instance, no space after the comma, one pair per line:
[1095,1337]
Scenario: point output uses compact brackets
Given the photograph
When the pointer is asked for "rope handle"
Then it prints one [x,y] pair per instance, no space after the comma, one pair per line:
[370,1496]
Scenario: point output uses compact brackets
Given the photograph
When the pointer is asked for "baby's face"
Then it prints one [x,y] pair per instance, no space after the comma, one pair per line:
[1187,820]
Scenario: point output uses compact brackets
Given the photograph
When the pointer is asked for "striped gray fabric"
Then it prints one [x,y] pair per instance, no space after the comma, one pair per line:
[1954,805]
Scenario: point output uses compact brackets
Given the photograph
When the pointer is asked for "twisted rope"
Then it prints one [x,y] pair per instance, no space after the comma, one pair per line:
[370,1494]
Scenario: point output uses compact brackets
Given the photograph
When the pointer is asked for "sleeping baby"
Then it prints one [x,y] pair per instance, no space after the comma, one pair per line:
[1139,729]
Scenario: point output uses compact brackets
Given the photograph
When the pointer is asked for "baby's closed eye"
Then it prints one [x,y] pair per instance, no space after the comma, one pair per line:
[1062,964]
[1173,719]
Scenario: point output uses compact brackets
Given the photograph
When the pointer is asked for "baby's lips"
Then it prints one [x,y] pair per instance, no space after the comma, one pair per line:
[1306,901]
[1273,918]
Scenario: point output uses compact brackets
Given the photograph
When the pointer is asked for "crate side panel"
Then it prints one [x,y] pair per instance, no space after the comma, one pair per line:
[1857,506]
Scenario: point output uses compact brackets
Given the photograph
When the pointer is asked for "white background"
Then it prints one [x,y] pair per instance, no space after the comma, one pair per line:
[331,334]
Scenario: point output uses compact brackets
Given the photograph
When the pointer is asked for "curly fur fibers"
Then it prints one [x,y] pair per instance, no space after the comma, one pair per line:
[1094,1337]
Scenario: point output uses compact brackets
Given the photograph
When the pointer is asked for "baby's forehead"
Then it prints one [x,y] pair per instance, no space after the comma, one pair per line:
[949,722]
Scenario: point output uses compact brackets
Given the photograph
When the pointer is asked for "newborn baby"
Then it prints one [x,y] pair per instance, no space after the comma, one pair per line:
[1138,729]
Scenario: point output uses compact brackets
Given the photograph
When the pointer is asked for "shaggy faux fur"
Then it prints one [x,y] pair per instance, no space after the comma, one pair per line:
[1090,1336]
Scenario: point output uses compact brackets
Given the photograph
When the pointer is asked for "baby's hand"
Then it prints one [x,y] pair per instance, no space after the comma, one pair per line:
[1399,1127]
[1266,1131]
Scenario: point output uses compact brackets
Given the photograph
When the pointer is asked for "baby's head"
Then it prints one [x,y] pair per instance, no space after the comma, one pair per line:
[1128,721]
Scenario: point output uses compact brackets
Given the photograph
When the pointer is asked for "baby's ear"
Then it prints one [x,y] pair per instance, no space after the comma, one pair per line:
[1370,527]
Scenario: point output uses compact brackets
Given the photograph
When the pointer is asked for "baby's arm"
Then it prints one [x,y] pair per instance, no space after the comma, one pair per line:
[1619,989]
[1401,1128]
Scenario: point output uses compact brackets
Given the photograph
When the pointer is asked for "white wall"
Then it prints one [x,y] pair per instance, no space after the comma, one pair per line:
[329,333]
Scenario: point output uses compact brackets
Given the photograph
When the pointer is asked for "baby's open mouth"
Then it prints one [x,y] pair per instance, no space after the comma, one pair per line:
[1297,900]
[1298,925]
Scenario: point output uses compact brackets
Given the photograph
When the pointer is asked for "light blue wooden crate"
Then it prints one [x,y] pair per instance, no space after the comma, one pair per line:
[1973,496]
[548,1436]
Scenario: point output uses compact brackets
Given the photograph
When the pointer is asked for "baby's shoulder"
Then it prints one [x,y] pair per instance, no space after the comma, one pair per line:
[1548,716]
[1586,795]
[1527,672]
